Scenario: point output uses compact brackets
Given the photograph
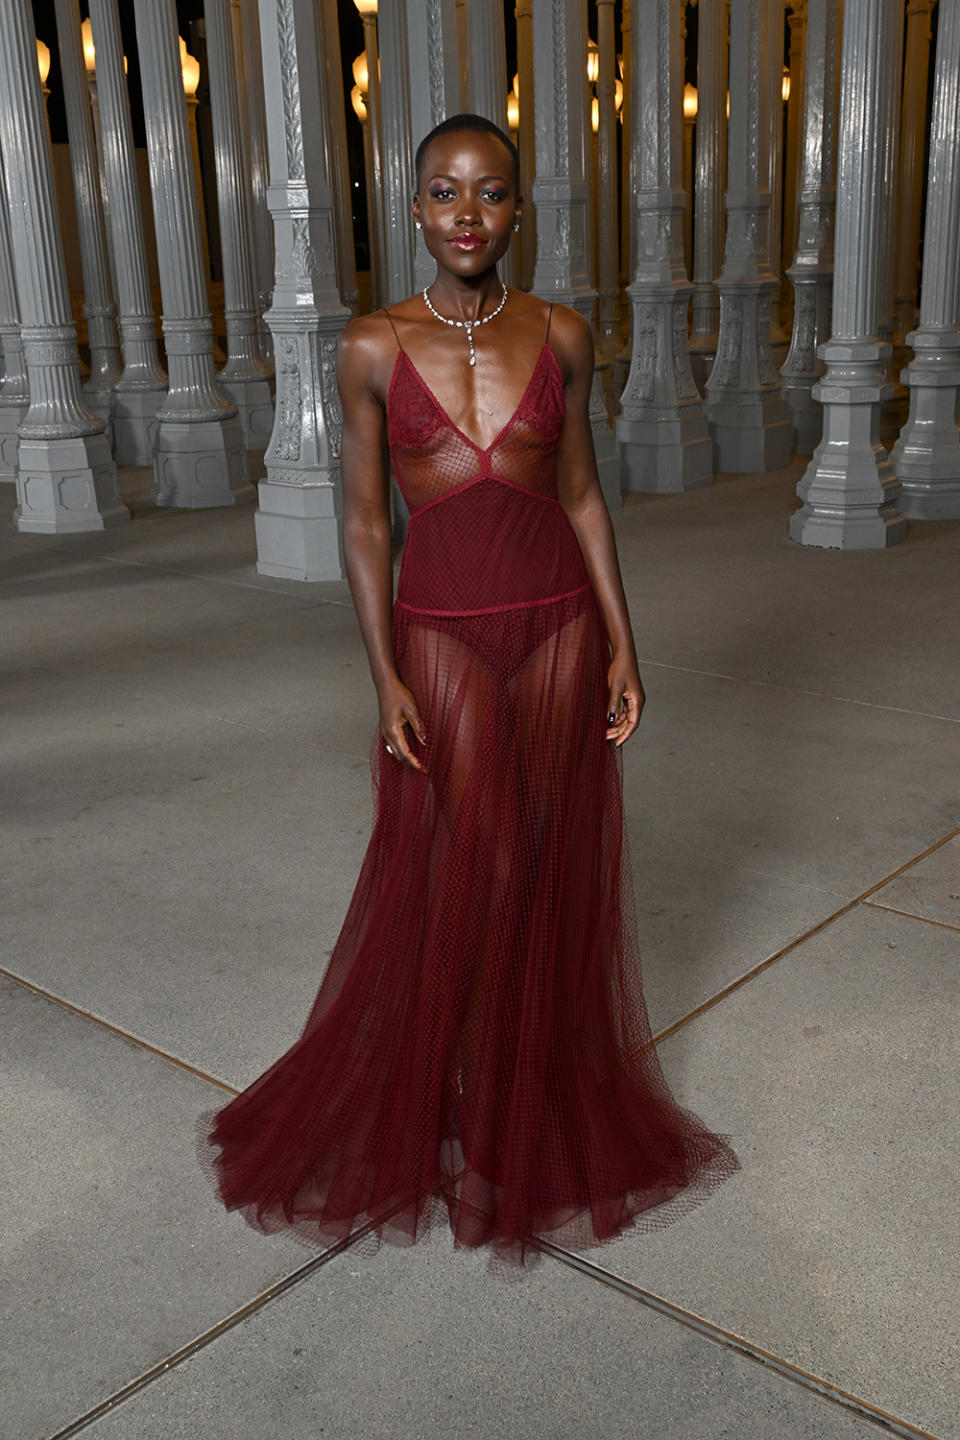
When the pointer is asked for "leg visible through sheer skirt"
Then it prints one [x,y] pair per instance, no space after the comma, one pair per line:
[480,1034]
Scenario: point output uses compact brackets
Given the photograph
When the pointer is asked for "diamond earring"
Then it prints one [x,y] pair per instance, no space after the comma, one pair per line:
[517,226]
[418,225]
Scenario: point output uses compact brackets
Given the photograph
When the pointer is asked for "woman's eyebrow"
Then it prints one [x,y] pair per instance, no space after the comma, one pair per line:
[481,181]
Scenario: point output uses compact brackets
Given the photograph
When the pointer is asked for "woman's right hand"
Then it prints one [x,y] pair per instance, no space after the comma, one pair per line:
[398,709]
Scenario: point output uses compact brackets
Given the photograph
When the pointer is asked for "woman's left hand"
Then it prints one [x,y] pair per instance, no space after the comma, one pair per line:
[626,699]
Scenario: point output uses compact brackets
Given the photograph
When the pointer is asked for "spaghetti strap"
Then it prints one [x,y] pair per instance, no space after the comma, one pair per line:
[393,327]
[546,338]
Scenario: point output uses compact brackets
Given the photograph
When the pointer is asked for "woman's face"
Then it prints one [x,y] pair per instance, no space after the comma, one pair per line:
[467,201]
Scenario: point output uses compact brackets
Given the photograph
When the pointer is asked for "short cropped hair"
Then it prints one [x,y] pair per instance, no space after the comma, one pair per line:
[454,123]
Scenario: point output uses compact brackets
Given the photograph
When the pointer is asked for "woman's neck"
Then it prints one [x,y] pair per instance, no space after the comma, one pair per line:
[466,297]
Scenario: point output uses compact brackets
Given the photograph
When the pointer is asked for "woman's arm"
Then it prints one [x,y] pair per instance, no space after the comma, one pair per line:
[365,478]
[582,499]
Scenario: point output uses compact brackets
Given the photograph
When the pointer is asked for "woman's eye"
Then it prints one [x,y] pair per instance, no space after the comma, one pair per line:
[495,195]
[440,194]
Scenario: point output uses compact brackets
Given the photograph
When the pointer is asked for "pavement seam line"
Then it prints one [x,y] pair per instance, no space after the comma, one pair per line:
[661,1035]
[729,1340]
[119,1031]
[217,580]
[200,1342]
[785,950]
[797,690]
[911,915]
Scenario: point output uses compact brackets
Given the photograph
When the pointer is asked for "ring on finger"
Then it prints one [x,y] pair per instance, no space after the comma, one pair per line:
[389,749]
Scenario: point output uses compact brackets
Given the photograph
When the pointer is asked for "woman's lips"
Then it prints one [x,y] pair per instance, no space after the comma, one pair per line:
[467,242]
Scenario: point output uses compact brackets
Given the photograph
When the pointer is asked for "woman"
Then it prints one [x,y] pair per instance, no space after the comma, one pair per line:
[480,1041]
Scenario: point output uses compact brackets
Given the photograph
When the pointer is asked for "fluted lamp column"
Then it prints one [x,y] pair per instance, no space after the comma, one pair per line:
[190,76]
[245,378]
[559,191]
[299,519]
[608,249]
[199,458]
[373,152]
[913,120]
[484,64]
[329,23]
[412,103]
[849,490]
[527,258]
[708,183]
[98,307]
[396,134]
[626,156]
[926,457]
[662,431]
[256,120]
[66,476]
[795,81]
[749,421]
[811,273]
[14,389]
[143,383]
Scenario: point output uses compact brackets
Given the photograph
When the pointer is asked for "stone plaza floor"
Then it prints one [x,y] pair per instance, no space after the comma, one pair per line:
[184,805]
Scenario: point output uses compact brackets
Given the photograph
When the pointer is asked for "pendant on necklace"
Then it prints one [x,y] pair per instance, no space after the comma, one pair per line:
[466,324]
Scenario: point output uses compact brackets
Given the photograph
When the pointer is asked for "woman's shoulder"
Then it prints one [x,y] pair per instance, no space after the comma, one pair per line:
[570,336]
[366,352]
[564,320]
[365,334]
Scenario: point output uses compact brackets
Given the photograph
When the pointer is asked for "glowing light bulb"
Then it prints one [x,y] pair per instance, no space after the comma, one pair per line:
[89,53]
[43,61]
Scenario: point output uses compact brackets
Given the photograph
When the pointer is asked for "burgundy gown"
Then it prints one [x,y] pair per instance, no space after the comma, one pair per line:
[479,1048]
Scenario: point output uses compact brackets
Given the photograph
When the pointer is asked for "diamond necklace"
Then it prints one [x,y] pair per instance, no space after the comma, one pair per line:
[467,324]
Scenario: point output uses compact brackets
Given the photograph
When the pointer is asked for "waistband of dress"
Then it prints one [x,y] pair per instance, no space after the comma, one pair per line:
[495,609]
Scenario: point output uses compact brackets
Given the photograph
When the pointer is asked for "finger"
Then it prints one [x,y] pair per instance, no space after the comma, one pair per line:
[614,712]
[395,743]
[630,718]
[412,718]
[402,746]
[402,751]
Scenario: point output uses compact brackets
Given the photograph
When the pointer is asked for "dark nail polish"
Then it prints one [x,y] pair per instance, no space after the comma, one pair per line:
[612,718]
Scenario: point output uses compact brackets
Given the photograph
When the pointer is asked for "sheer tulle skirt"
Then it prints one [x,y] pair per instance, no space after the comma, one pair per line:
[479,1049]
